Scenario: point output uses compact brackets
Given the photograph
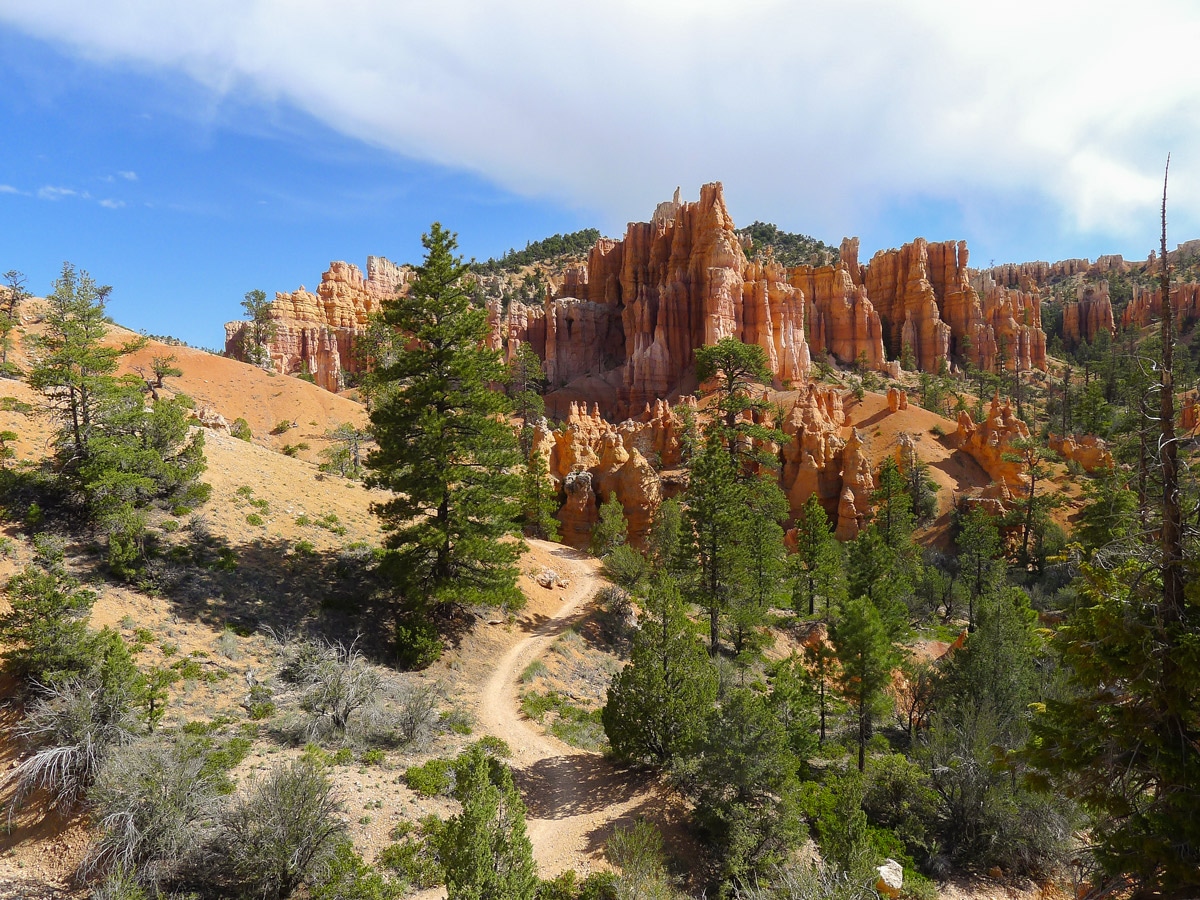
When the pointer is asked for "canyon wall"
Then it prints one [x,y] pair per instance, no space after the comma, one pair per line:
[315,332]
[637,310]
[1090,314]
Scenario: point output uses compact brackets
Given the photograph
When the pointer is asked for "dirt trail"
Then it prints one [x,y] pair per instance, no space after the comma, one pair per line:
[574,797]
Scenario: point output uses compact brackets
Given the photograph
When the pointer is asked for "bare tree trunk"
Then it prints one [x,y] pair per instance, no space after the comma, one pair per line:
[1172,523]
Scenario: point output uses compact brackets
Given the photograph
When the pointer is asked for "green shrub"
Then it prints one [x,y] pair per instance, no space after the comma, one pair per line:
[255,519]
[45,630]
[12,404]
[535,669]
[282,426]
[240,429]
[373,757]
[347,877]
[432,779]
[303,520]
[151,802]
[412,857]
[285,827]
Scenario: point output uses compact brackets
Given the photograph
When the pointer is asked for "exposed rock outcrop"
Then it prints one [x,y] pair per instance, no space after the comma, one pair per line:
[315,332]
[926,299]
[589,459]
[1147,304]
[1089,451]
[991,440]
[1090,314]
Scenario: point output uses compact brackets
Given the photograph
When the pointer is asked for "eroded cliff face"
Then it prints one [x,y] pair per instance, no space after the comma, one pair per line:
[1090,314]
[589,459]
[1147,304]
[928,304]
[637,310]
[315,332]
[990,442]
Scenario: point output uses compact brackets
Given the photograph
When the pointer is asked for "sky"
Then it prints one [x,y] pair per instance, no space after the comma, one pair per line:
[186,153]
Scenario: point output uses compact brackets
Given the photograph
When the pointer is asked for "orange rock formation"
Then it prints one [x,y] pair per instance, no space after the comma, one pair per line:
[990,440]
[925,297]
[1147,304]
[1090,314]
[1088,450]
[315,333]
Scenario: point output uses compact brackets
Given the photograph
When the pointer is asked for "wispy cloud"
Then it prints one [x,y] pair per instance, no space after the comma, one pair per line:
[112,204]
[51,192]
[829,114]
[9,189]
[128,176]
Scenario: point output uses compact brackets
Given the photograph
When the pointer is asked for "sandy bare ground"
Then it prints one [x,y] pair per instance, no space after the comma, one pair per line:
[574,798]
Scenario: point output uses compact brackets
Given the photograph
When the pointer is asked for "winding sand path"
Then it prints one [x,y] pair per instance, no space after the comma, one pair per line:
[573,797]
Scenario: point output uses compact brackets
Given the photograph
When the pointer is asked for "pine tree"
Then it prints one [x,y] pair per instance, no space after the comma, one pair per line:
[978,542]
[658,704]
[538,500]
[867,658]
[111,451]
[893,507]
[734,367]
[762,561]
[716,522]
[816,566]
[485,849]
[259,330]
[747,788]
[611,530]
[445,452]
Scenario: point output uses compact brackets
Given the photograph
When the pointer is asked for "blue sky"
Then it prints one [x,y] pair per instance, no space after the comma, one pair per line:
[186,153]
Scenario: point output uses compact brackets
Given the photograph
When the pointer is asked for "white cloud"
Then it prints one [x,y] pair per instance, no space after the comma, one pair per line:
[112,204]
[51,192]
[815,113]
[128,176]
[9,189]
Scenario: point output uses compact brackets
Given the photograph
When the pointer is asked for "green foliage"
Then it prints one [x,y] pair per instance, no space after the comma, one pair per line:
[111,451]
[345,450]
[571,724]
[867,657]
[164,367]
[485,850]
[45,630]
[611,530]
[443,451]
[573,243]
[734,368]
[789,249]
[240,429]
[657,704]
[816,569]
[283,829]
[625,567]
[259,330]
[539,502]
[745,787]
[637,850]
[1116,742]
[413,857]
[892,506]
[431,779]
[346,877]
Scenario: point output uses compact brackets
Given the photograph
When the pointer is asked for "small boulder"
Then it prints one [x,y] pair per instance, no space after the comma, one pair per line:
[891,879]
[548,578]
